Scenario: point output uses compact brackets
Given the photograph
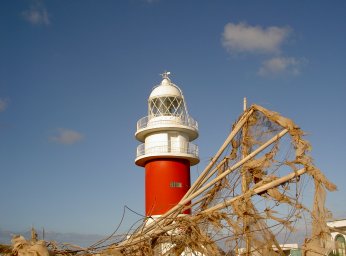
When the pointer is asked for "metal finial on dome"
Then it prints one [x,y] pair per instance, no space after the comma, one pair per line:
[165,75]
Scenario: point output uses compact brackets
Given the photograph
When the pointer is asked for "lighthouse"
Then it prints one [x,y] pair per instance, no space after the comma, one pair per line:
[166,151]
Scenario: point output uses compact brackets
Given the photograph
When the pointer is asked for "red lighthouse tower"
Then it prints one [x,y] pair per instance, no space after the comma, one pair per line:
[167,152]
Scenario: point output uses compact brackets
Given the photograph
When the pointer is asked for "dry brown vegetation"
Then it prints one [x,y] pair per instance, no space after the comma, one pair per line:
[249,196]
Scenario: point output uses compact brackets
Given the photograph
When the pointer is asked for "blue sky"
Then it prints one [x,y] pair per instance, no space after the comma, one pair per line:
[75,77]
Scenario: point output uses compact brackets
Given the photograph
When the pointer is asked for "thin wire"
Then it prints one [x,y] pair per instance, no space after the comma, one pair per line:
[93,246]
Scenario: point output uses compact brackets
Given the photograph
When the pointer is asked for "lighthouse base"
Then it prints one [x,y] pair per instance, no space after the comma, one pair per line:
[164,247]
[166,181]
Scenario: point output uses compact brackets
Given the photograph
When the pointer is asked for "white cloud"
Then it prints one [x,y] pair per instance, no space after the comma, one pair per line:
[3,105]
[65,136]
[243,38]
[253,39]
[281,65]
[37,15]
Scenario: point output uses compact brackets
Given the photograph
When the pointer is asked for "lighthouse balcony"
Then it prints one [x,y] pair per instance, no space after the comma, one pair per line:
[149,151]
[149,124]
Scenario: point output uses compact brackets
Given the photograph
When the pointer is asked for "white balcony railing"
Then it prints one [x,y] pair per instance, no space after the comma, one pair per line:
[145,122]
[164,147]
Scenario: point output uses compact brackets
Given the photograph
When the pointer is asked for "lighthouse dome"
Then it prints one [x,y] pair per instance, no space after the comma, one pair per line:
[166,89]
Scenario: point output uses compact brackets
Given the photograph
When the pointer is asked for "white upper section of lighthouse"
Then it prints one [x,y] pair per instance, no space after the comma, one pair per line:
[168,128]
